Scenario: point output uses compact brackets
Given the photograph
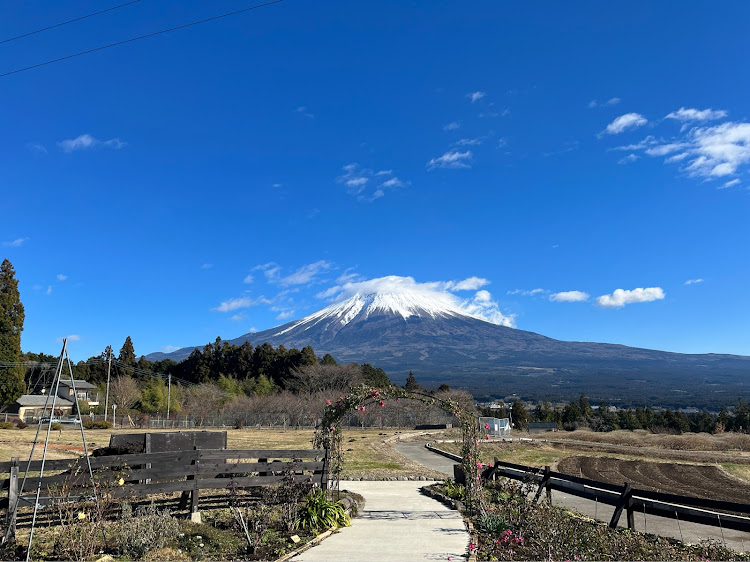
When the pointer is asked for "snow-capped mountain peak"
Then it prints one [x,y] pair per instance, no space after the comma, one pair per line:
[361,306]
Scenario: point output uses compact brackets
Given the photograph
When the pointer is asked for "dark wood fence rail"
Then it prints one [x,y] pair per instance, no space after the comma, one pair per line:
[631,500]
[146,474]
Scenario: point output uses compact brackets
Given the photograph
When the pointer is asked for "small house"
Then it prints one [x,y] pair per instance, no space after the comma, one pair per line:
[85,391]
[32,407]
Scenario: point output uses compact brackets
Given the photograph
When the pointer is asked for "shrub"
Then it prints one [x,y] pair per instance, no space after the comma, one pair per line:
[319,512]
[149,529]
[56,426]
[21,424]
[6,425]
[493,524]
[97,425]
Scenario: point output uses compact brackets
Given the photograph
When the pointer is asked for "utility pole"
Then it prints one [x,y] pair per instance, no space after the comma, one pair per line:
[169,393]
[109,368]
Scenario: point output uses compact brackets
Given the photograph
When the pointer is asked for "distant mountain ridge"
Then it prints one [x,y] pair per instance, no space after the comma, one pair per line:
[441,342]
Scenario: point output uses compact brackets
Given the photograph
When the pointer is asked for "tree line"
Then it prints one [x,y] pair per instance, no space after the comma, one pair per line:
[580,414]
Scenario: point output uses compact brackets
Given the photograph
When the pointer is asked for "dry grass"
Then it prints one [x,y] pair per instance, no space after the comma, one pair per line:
[729,442]
[367,453]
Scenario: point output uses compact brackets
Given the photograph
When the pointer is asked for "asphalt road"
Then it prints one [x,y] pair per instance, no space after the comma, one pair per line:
[685,531]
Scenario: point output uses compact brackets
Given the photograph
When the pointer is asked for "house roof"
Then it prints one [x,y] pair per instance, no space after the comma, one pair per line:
[80,385]
[39,400]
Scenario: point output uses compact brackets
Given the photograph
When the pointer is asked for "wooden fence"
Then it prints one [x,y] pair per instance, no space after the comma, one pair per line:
[625,498]
[147,474]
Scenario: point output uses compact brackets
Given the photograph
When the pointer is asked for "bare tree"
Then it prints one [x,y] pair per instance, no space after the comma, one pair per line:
[204,400]
[124,391]
[319,377]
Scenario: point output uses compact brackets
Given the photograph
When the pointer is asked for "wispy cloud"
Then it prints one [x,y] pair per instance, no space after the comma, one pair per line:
[302,110]
[237,317]
[271,271]
[706,152]
[248,279]
[476,96]
[17,243]
[468,142]
[610,101]
[306,274]
[528,293]
[170,348]
[61,277]
[453,159]
[569,296]
[36,147]
[691,114]
[452,126]
[630,158]
[49,289]
[207,266]
[621,297]
[235,304]
[86,141]
[730,183]
[693,281]
[366,185]
[71,337]
[625,122]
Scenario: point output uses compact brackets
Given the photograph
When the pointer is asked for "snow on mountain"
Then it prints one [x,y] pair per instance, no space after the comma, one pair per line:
[360,307]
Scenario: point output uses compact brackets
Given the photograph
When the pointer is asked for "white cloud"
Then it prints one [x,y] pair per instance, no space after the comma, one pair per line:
[481,306]
[528,293]
[452,126]
[592,104]
[71,337]
[610,101]
[170,348]
[306,274]
[302,110]
[38,148]
[451,159]
[730,183]
[235,304]
[468,284]
[49,289]
[17,243]
[61,277]
[467,142]
[207,266]
[237,317]
[569,296]
[283,314]
[693,281]
[366,185]
[625,122]
[684,114]
[613,101]
[271,271]
[248,279]
[621,297]
[628,159]
[476,96]
[86,141]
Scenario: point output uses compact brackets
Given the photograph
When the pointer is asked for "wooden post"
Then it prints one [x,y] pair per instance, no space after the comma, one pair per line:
[147,450]
[324,476]
[544,485]
[625,501]
[13,493]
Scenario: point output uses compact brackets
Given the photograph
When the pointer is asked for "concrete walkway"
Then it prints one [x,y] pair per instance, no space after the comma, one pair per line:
[397,523]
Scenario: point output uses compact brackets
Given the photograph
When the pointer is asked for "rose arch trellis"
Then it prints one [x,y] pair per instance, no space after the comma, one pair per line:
[329,435]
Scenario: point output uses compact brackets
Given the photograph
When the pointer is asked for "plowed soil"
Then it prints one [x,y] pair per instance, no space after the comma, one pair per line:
[683,479]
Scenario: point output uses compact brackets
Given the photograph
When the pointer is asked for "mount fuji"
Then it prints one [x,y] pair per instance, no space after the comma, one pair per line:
[441,341]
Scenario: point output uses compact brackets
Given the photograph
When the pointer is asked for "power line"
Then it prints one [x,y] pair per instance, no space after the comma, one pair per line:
[67,22]
[133,39]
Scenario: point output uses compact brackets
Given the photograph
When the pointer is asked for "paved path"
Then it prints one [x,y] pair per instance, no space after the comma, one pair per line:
[666,527]
[397,523]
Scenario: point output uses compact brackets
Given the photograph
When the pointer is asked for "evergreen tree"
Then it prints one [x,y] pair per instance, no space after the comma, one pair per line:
[12,383]
[127,352]
[328,360]
[411,383]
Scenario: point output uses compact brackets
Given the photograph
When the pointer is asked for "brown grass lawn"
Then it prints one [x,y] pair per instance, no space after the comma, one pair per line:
[367,453]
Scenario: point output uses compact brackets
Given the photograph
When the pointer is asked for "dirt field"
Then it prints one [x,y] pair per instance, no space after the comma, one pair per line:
[684,479]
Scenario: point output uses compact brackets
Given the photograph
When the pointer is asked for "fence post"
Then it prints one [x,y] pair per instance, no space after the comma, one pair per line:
[544,485]
[625,501]
[13,492]
[324,476]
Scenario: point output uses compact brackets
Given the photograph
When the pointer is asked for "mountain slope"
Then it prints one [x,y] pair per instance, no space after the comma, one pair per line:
[441,342]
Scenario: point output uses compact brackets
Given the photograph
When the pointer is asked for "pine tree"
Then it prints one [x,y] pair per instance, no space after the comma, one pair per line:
[127,352]
[411,383]
[11,325]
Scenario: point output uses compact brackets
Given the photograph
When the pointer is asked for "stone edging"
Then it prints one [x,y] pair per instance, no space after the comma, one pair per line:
[431,447]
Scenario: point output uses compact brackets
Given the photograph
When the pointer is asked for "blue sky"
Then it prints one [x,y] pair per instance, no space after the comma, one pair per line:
[587,163]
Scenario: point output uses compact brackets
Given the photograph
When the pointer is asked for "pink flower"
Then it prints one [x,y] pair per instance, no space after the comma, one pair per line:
[479,464]
[328,402]
[472,546]
[382,403]
[333,428]
[486,426]
[487,436]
